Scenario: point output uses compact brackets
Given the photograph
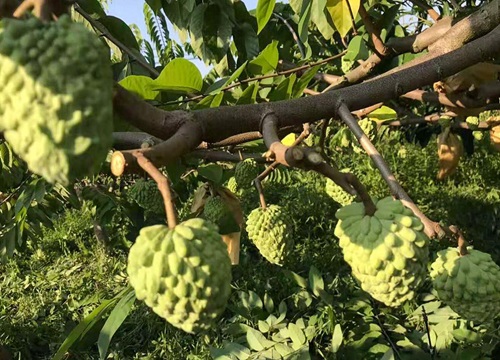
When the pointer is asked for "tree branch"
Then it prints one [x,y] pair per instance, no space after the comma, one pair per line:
[432,229]
[430,11]
[216,124]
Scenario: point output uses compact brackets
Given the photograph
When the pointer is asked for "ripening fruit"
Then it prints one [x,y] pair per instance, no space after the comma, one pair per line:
[56,97]
[469,284]
[245,172]
[183,274]
[387,251]
[270,231]
[337,193]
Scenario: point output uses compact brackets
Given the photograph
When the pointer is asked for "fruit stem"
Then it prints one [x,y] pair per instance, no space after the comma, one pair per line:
[462,243]
[370,207]
[258,186]
[163,185]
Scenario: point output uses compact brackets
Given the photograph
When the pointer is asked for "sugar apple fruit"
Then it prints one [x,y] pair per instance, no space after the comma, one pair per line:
[147,195]
[337,193]
[245,172]
[270,231]
[56,108]
[232,185]
[183,274]
[469,284]
[216,211]
[387,252]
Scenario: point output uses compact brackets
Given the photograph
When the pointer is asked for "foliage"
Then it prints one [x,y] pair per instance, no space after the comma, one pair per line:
[64,248]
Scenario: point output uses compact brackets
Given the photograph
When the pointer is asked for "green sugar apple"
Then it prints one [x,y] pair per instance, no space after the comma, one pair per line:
[232,185]
[218,212]
[387,252]
[270,231]
[337,193]
[245,172]
[183,274]
[147,195]
[56,108]
[469,284]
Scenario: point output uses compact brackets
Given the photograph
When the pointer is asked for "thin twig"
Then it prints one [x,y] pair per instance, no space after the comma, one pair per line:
[294,34]
[262,77]
[260,190]
[432,351]
[96,24]
[163,186]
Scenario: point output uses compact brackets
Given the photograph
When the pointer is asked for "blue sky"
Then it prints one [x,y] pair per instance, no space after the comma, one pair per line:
[131,12]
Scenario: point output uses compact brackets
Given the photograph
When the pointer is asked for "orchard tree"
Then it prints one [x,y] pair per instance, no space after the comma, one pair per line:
[293,89]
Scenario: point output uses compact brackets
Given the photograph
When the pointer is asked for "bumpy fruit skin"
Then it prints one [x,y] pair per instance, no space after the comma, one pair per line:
[146,194]
[271,232]
[219,213]
[232,185]
[387,252]
[56,108]
[245,172]
[183,274]
[469,284]
[337,193]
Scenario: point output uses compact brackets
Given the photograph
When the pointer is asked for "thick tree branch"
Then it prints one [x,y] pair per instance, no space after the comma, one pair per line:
[419,42]
[217,124]
[183,141]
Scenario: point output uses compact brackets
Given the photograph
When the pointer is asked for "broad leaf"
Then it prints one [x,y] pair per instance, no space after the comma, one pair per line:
[121,31]
[141,86]
[266,61]
[257,341]
[180,75]
[337,338]
[212,172]
[341,15]
[316,282]
[384,113]
[264,11]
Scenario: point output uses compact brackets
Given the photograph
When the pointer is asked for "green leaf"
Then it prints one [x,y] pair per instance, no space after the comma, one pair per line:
[466,335]
[263,326]
[337,338]
[303,25]
[236,74]
[299,280]
[389,355]
[180,75]
[257,341]
[284,90]
[93,8]
[115,319]
[304,80]
[212,172]
[322,19]
[140,85]
[249,96]
[121,31]
[268,303]
[315,280]
[83,327]
[340,14]
[263,13]
[266,61]
[383,113]
[210,31]
[297,335]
